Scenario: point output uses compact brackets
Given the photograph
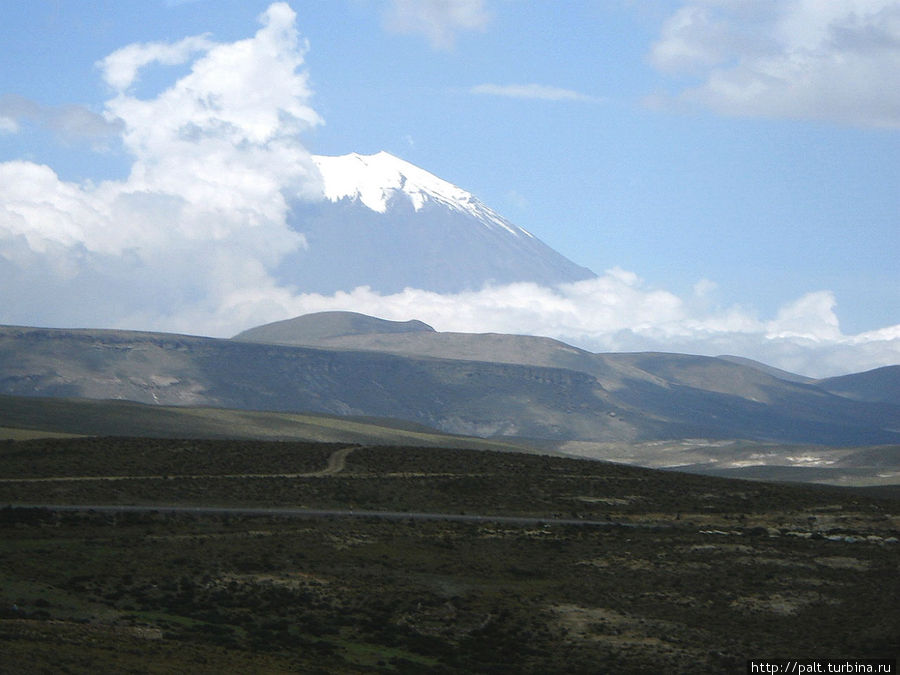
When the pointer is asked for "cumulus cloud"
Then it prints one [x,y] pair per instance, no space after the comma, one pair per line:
[800,59]
[440,21]
[121,68]
[531,91]
[216,161]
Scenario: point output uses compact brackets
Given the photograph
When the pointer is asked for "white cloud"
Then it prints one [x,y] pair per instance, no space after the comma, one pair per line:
[811,317]
[8,125]
[531,91]
[614,312]
[120,69]
[225,136]
[801,59]
[217,159]
[704,288]
[438,20]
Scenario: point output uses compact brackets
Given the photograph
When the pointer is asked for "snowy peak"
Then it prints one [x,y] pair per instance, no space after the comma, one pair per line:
[376,179]
[384,223]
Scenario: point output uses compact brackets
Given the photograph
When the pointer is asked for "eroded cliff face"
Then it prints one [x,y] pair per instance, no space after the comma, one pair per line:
[143,367]
[615,402]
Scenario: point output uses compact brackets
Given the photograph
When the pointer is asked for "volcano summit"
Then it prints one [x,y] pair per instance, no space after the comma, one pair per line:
[389,225]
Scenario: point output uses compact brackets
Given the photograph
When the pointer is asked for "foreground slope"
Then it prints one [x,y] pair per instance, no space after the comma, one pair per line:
[624,570]
[25,417]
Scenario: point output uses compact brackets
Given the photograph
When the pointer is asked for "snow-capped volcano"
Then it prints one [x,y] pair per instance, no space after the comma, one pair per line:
[377,179]
[390,225]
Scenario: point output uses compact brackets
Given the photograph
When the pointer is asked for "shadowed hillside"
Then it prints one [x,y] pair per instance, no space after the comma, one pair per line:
[513,386]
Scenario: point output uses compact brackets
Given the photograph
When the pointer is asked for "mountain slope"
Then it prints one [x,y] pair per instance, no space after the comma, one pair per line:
[596,398]
[704,395]
[389,225]
[614,372]
[880,384]
[769,370]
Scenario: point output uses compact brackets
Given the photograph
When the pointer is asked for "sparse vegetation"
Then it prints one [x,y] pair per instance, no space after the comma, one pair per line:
[709,572]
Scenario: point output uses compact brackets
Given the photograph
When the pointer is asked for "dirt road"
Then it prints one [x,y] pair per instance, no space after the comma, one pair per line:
[336,463]
[332,513]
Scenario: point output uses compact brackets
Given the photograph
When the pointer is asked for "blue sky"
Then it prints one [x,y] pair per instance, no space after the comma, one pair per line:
[740,160]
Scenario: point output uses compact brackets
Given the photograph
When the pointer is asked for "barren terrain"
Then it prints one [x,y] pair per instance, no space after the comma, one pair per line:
[609,568]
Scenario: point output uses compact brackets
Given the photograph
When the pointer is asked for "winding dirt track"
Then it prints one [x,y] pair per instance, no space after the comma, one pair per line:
[336,463]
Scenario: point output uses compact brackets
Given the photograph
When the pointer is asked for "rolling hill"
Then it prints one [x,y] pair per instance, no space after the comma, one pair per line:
[881,385]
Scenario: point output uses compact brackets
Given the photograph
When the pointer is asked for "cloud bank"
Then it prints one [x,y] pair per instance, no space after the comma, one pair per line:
[616,311]
[191,239]
[798,59]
